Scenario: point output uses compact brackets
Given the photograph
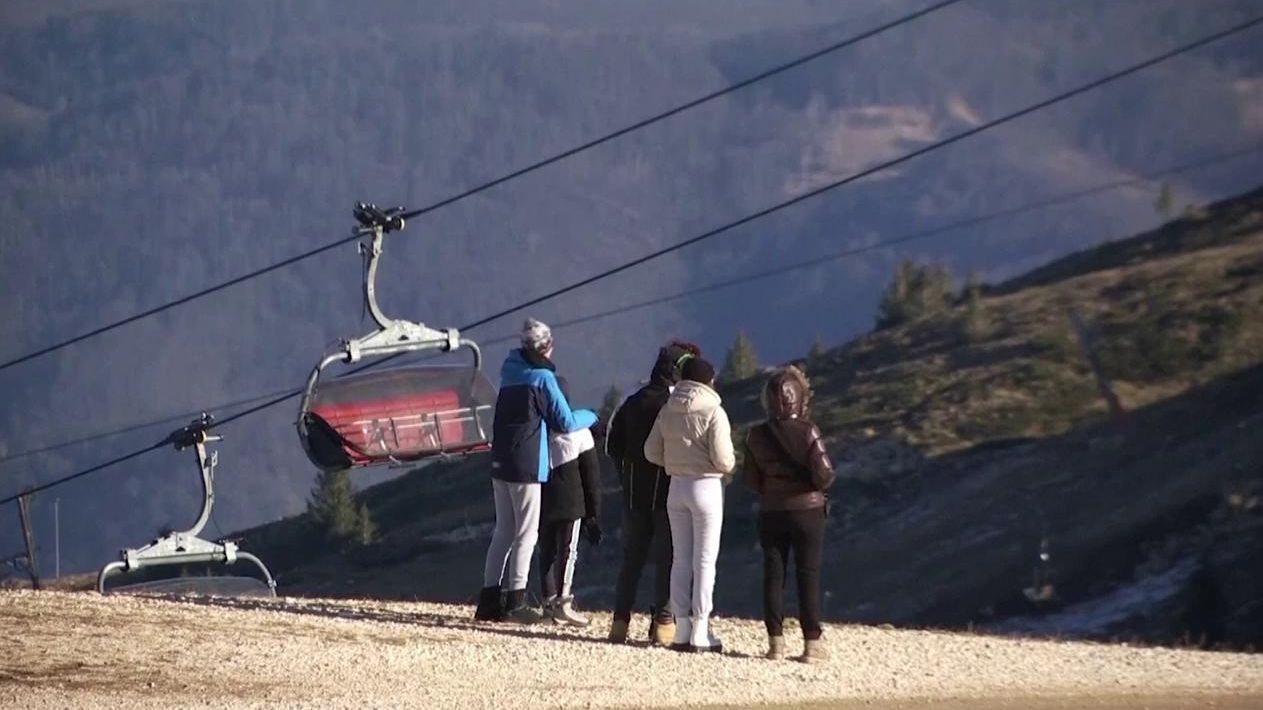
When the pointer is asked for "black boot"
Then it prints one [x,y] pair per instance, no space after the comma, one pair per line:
[489,606]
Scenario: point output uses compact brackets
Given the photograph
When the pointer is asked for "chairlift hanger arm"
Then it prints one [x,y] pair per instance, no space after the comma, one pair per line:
[185,546]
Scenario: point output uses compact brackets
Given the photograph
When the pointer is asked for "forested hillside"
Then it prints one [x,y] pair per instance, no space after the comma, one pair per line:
[149,149]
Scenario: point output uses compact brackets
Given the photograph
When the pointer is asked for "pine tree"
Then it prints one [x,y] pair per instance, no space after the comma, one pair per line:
[741,361]
[817,352]
[332,505]
[914,292]
[1165,203]
[975,323]
[365,528]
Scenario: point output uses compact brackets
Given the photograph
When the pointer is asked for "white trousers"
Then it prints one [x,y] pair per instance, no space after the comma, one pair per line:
[695,507]
[513,542]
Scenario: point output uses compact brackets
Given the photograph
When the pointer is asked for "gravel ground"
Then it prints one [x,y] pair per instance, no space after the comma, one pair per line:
[81,650]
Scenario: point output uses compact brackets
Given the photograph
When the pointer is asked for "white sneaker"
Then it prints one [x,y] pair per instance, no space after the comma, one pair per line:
[563,613]
[683,631]
[702,640]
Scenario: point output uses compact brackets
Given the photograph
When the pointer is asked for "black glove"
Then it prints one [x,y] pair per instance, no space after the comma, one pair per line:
[591,531]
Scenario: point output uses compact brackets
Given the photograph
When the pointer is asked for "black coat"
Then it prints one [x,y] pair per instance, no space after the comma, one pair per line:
[573,490]
[644,484]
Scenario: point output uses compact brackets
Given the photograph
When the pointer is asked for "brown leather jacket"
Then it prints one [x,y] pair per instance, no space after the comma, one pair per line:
[785,460]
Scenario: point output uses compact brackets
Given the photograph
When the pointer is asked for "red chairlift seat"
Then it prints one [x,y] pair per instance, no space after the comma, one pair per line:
[398,416]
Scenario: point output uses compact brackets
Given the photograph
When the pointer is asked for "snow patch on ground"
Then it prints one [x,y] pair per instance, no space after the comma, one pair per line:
[1101,616]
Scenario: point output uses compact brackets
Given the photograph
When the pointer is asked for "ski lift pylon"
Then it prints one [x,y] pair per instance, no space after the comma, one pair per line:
[185,547]
[399,415]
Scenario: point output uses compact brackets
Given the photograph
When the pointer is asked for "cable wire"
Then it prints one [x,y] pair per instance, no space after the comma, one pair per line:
[496,181]
[67,479]
[1053,200]
[1134,68]
[128,428]
[880,167]
[894,241]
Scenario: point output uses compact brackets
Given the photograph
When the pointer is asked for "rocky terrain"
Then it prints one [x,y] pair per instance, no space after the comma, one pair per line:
[82,650]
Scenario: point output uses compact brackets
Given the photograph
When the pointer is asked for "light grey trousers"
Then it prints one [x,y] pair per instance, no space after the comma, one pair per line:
[516,531]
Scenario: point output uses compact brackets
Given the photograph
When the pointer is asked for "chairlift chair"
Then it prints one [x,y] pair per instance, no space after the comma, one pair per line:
[185,547]
[401,415]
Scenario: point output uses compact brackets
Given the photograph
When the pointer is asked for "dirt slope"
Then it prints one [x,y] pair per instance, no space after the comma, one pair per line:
[81,650]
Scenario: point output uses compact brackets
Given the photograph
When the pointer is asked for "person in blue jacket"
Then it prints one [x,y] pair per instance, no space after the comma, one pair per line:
[529,406]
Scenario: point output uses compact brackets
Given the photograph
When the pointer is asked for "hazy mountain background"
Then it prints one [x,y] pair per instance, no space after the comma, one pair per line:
[148,149]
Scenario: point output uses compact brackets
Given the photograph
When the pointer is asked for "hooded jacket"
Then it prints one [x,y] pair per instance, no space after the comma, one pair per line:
[529,405]
[691,437]
[644,483]
[785,459]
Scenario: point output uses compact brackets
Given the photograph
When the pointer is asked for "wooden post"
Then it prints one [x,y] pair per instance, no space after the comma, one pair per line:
[24,512]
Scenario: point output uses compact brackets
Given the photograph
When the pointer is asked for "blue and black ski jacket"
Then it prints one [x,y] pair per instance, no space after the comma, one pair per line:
[529,404]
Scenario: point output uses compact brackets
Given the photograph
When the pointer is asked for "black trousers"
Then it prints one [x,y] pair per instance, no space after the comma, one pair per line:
[558,548]
[645,533]
[800,533]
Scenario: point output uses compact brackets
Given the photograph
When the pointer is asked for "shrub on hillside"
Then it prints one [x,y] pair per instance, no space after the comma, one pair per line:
[1150,350]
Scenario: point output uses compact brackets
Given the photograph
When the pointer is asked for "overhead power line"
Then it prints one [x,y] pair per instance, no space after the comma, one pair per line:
[74,476]
[1134,68]
[128,428]
[880,167]
[1051,201]
[520,172]
[895,241]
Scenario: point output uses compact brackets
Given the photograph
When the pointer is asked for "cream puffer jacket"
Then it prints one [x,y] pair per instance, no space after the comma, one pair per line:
[691,436]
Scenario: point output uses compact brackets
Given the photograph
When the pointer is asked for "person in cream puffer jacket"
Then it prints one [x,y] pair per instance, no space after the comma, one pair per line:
[692,440]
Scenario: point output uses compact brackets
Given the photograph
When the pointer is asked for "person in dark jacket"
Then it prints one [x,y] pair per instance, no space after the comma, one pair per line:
[646,530]
[570,505]
[787,465]
[530,405]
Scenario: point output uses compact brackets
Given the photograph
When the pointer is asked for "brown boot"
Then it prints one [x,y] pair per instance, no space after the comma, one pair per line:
[662,632]
[618,631]
[775,648]
[814,651]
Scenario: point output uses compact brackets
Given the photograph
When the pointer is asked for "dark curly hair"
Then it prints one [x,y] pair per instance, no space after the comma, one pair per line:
[691,348]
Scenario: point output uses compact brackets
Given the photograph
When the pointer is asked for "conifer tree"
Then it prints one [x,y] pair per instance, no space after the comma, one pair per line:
[1165,203]
[741,361]
[975,323]
[332,506]
[365,528]
[915,291]
[817,351]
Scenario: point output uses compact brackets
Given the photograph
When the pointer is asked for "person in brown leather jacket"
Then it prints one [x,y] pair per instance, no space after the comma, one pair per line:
[787,465]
